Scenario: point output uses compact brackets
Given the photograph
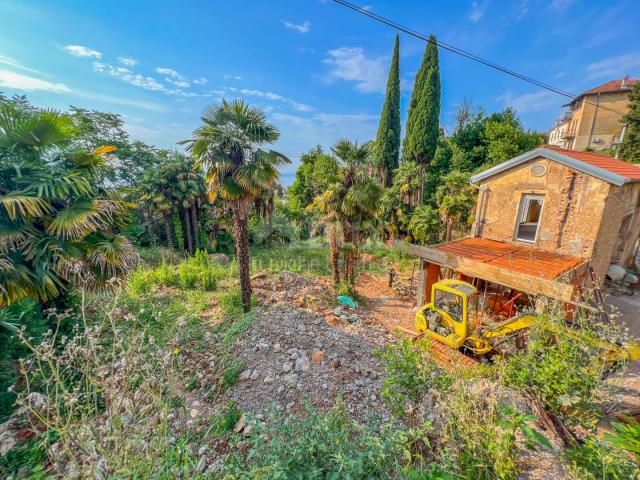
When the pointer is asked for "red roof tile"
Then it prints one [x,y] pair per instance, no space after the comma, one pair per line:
[613,165]
[611,86]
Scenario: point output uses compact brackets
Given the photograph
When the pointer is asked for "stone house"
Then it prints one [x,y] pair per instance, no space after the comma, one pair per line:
[593,119]
[579,204]
[543,219]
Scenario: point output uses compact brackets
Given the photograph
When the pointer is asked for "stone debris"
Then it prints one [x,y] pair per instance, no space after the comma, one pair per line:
[309,361]
[288,289]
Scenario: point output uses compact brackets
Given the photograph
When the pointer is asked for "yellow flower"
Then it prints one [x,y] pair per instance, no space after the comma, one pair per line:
[176,350]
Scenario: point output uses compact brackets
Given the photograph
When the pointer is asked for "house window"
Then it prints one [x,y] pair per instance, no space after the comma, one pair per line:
[529,216]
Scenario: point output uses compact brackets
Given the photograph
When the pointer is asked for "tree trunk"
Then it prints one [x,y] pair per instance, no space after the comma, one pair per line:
[349,260]
[449,230]
[239,214]
[149,226]
[334,253]
[167,228]
[187,227]
[196,227]
[269,223]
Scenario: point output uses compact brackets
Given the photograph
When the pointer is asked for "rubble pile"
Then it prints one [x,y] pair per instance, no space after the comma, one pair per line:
[293,357]
[289,289]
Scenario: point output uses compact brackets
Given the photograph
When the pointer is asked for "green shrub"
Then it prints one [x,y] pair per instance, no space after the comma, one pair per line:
[200,258]
[327,445]
[209,279]
[410,373]
[594,460]
[479,436]
[25,313]
[626,436]
[563,366]
[141,281]
[188,275]
[166,275]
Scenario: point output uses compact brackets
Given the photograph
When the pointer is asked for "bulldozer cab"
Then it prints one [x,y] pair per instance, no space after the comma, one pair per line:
[450,315]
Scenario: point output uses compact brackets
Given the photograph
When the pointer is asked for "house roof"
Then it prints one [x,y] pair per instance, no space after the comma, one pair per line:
[609,169]
[621,85]
[516,258]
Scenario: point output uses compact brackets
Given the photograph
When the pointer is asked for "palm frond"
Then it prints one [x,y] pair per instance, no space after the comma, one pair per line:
[18,204]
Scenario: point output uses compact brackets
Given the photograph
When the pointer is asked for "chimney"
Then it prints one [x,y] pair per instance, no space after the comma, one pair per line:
[624,81]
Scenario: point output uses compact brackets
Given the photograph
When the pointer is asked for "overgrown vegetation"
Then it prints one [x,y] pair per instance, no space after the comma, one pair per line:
[100,352]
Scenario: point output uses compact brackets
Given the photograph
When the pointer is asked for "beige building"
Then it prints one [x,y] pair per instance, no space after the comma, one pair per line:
[579,204]
[593,120]
[546,221]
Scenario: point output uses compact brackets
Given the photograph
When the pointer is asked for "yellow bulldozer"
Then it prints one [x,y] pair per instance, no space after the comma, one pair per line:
[455,318]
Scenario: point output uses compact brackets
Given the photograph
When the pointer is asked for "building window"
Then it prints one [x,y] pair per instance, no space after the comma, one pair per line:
[529,216]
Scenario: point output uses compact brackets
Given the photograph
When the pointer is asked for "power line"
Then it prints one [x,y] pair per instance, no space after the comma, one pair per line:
[468,55]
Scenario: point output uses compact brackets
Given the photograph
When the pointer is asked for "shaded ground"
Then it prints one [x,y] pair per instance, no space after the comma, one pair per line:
[382,304]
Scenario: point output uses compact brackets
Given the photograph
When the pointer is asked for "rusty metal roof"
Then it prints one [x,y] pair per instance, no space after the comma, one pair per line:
[517,258]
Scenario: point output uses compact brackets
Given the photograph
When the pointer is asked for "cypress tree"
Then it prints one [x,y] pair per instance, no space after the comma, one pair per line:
[423,121]
[387,150]
[630,148]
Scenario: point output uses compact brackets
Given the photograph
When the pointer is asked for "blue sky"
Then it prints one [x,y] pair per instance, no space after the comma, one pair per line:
[318,69]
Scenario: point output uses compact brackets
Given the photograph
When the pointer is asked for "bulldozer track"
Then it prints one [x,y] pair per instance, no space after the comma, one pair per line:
[443,355]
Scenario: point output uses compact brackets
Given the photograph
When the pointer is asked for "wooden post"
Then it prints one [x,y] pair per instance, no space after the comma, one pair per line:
[433,274]
[422,280]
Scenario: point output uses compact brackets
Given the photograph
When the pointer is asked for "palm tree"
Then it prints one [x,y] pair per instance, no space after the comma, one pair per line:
[57,226]
[349,205]
[455,198]
[227,147]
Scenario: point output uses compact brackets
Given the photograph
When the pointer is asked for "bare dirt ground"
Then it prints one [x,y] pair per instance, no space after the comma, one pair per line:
[383,305]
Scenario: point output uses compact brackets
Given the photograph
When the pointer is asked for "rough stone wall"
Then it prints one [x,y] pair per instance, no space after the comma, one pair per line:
[624,208]
[572,210]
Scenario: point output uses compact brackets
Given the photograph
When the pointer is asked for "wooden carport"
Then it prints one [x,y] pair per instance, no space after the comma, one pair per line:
[519,267]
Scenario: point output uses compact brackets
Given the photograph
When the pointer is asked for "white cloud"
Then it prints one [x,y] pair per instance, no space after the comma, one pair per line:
[531,102]
[200,81]
[477,11]
[170,72]
[23,82]
[128,61]
[232,77]
[615,67]
[178,83]
[15,64]
[80,51]
[350,63]
[124,74]
[303,27]
[301,107]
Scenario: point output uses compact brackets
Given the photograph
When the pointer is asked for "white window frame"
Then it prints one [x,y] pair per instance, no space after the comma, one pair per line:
[523,209]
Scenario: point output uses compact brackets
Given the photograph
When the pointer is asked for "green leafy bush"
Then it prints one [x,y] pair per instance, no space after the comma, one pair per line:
[141,281]
[594,460]
[188,275]
[410,373]
[327,445]
[478,438]
[626,436]
[166,275]
[563,366]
